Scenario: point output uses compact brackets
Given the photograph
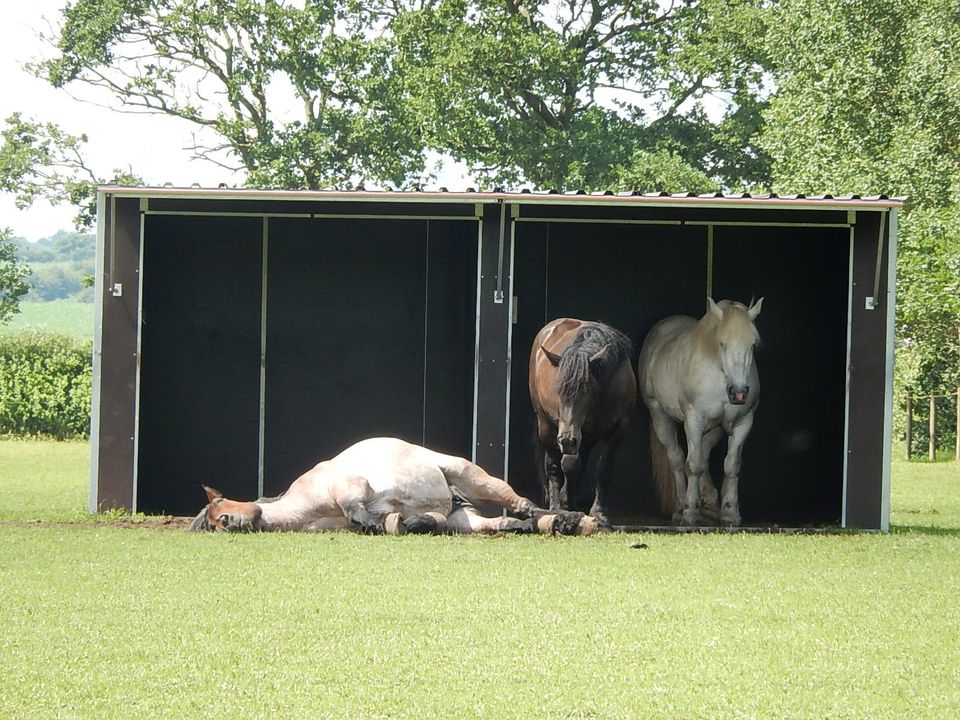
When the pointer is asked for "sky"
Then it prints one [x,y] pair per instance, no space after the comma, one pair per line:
[152,146]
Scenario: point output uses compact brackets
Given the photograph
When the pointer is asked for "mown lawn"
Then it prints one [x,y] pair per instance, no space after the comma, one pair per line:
[108,621]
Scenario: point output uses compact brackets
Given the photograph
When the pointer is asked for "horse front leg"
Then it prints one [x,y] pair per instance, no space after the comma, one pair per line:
[709,499]
[665,431]
[556,479]
[604,472]
[730,492]
[351,495]
[696,468]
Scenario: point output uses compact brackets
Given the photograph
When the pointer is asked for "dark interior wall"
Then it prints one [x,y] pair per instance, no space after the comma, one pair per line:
[370,331]
[200,361]
[451,337]
[793,459]
[631,276]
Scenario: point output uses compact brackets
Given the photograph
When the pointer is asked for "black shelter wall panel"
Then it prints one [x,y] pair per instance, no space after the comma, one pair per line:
[451,332]
[793,460]
[347,339]
[344,339]
[629,276]
[200,361]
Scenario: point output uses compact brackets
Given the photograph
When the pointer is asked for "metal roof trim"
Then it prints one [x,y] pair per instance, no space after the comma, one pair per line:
[524,196]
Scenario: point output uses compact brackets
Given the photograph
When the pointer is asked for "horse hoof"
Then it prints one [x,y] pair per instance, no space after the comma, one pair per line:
[730,516]
[424,524]
[546,524]
[710,512]
[393,526]
[602,521]
[690,518]
[589,525]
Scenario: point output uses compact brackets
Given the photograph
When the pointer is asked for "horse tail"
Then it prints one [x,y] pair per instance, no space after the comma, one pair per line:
[664,482]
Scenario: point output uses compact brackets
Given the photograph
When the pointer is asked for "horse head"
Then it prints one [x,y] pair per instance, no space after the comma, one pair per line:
[578,386]
[736,337]
[229,515]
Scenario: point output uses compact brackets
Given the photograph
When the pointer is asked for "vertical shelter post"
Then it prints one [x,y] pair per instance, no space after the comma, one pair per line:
[932,448]
[909,432]
[956,453]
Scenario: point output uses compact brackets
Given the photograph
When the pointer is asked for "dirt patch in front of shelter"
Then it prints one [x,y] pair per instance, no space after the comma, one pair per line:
[158,522]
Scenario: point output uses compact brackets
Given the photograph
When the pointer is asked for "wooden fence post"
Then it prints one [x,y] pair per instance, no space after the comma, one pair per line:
[932,450]
[909,437]
[957,440]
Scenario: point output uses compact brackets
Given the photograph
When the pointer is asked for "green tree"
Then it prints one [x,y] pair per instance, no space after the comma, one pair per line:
[13,276]
[39,160]
[299,97]
[577,93]
[588,94]
[868,100]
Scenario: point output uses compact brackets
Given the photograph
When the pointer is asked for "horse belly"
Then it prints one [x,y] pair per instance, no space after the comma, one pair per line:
[404,477]
[411,491]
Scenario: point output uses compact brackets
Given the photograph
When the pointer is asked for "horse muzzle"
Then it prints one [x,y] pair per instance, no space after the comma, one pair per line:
[737,395]
[570,464]
[569,445]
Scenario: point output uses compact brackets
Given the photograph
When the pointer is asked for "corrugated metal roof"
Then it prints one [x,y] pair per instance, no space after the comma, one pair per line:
[471,194]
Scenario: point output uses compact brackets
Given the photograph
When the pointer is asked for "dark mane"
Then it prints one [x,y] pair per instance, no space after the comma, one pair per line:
[200,521]
[573,372]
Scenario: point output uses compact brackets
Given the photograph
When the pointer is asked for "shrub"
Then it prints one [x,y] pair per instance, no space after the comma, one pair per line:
[45,385]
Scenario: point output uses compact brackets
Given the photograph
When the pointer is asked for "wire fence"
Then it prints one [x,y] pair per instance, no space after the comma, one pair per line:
[932,423]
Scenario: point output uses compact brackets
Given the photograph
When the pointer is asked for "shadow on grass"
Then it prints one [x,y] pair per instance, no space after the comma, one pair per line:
[924,530]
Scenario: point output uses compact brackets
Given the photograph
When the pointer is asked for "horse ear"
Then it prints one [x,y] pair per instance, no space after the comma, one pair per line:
[212,494]
[714,308]
[599,356]
[552,357]
[755,309]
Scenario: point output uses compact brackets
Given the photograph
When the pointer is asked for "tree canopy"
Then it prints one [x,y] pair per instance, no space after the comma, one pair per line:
[868,100]
[13,276]
[326,93]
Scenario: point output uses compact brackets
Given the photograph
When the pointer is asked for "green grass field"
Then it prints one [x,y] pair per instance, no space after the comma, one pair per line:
[106,620]
[66,317]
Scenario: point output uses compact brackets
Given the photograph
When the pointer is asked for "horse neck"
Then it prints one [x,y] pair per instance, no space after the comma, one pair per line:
[286,513]
[704,337]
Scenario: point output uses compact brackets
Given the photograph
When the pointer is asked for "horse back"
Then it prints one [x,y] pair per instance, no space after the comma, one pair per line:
[663,358]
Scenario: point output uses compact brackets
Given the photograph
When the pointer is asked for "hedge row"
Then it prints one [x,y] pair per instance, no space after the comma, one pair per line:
[45,385]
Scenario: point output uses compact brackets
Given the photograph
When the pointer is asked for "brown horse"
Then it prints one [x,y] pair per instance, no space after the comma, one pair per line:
[389,485]
[583,389]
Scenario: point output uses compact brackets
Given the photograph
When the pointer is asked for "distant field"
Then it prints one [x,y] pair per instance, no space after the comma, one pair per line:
[66,317]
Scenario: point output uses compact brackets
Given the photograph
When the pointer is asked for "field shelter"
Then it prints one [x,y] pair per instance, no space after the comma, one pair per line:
[243,335]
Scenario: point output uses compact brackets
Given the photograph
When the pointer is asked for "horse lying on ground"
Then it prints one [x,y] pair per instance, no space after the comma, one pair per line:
[701,375]
[389,485]
[583,389]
